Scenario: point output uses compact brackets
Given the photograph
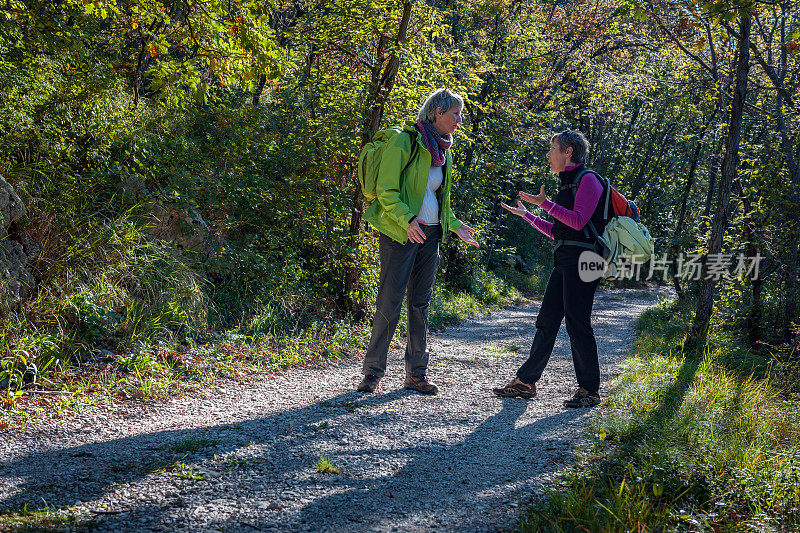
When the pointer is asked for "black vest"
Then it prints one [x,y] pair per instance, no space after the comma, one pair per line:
[566,198]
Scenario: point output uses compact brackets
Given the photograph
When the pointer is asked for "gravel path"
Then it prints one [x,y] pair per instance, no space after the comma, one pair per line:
[462,460]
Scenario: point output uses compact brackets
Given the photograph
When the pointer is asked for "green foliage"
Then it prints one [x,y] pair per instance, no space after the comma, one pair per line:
[106,288]
[166,50]
[325,465]
[121,117]
[687,440]
[45,517]
[188,472]
[535,283]
[190,444]
[449,307]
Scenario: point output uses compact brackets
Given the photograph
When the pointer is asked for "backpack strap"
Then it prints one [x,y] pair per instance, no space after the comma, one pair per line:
[603,181]
[589,230]
[576,182]
[607,183]
[580,244]
[414,149]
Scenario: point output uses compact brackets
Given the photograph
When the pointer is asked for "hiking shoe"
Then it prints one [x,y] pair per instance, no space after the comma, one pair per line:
[369,383]
[421,385]
[516,389]
[583,398]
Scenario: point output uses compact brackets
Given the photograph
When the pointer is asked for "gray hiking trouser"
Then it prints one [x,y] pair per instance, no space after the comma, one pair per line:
[406,270]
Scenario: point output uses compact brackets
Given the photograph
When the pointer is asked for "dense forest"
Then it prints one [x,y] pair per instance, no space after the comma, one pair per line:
[183,173]
[191,166]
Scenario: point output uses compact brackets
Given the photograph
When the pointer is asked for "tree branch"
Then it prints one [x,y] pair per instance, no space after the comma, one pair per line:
[768,69]
[677,41]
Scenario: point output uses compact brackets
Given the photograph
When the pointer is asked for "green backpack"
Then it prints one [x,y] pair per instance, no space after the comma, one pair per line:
[369,160]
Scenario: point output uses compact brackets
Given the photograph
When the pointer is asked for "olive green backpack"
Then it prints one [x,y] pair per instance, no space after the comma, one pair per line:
[369,160]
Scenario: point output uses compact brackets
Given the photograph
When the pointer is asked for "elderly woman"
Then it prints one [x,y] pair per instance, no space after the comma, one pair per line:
[412,213]
[567,295]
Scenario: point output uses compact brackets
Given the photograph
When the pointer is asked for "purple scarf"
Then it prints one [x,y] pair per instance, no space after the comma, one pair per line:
[435,143]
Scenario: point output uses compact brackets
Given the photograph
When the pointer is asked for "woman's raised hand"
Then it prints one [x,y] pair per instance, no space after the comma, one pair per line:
[519,210]
[536,199]
[465,234]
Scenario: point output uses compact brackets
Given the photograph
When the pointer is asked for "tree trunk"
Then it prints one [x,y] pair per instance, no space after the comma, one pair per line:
[716,161]
[778,78]
[138,74]
[381,85]
[786,143]
[142,62]
[622,152]
[486,89]
[705,304]
[645,171]
[677,237]
[791,288]
[262,81]
[754,313]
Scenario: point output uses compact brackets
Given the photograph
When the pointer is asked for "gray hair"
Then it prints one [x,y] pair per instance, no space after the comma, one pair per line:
[575,140]
[442,99]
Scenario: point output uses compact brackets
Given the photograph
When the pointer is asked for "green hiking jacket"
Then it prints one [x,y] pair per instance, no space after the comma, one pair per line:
[399,198]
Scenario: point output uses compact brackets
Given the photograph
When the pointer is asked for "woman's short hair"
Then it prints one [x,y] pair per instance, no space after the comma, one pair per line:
[575,140]
[442,98]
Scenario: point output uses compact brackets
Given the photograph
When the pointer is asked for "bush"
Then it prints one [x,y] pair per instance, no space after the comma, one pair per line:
[106,287]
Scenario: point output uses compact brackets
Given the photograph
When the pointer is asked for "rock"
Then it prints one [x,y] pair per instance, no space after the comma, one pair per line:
[519,263]
[188,230]
[272,506]
[133,188]
[209,473]
[11,206]
[185,228]
[14,271]
[16,278]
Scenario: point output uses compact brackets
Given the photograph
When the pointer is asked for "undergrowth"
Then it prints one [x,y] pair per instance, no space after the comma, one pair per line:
[686,442]
[132,326]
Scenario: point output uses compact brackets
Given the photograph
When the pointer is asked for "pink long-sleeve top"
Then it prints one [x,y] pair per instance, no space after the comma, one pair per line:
[586,198]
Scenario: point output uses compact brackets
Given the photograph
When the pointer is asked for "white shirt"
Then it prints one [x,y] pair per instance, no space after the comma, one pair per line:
[429,212]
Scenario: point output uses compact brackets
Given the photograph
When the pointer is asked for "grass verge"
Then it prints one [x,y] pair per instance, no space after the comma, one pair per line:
[687,442]
[41,519]
[490,292]
[102,380]
[156,372]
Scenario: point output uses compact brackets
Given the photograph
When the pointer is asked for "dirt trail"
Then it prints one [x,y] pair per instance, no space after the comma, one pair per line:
[458,461]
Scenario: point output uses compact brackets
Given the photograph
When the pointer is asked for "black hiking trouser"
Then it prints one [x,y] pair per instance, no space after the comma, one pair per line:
[566,297]
[406,270]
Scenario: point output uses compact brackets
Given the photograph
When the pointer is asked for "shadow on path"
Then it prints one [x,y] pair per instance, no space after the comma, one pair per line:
[491,458]
[42,475]
[496,450]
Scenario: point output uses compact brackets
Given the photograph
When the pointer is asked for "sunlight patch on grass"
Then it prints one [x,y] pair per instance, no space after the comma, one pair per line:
[687,441]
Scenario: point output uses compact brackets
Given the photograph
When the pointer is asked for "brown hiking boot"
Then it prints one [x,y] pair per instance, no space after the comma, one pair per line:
[516,389]
[583,398]
[369,383]
[421,385]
